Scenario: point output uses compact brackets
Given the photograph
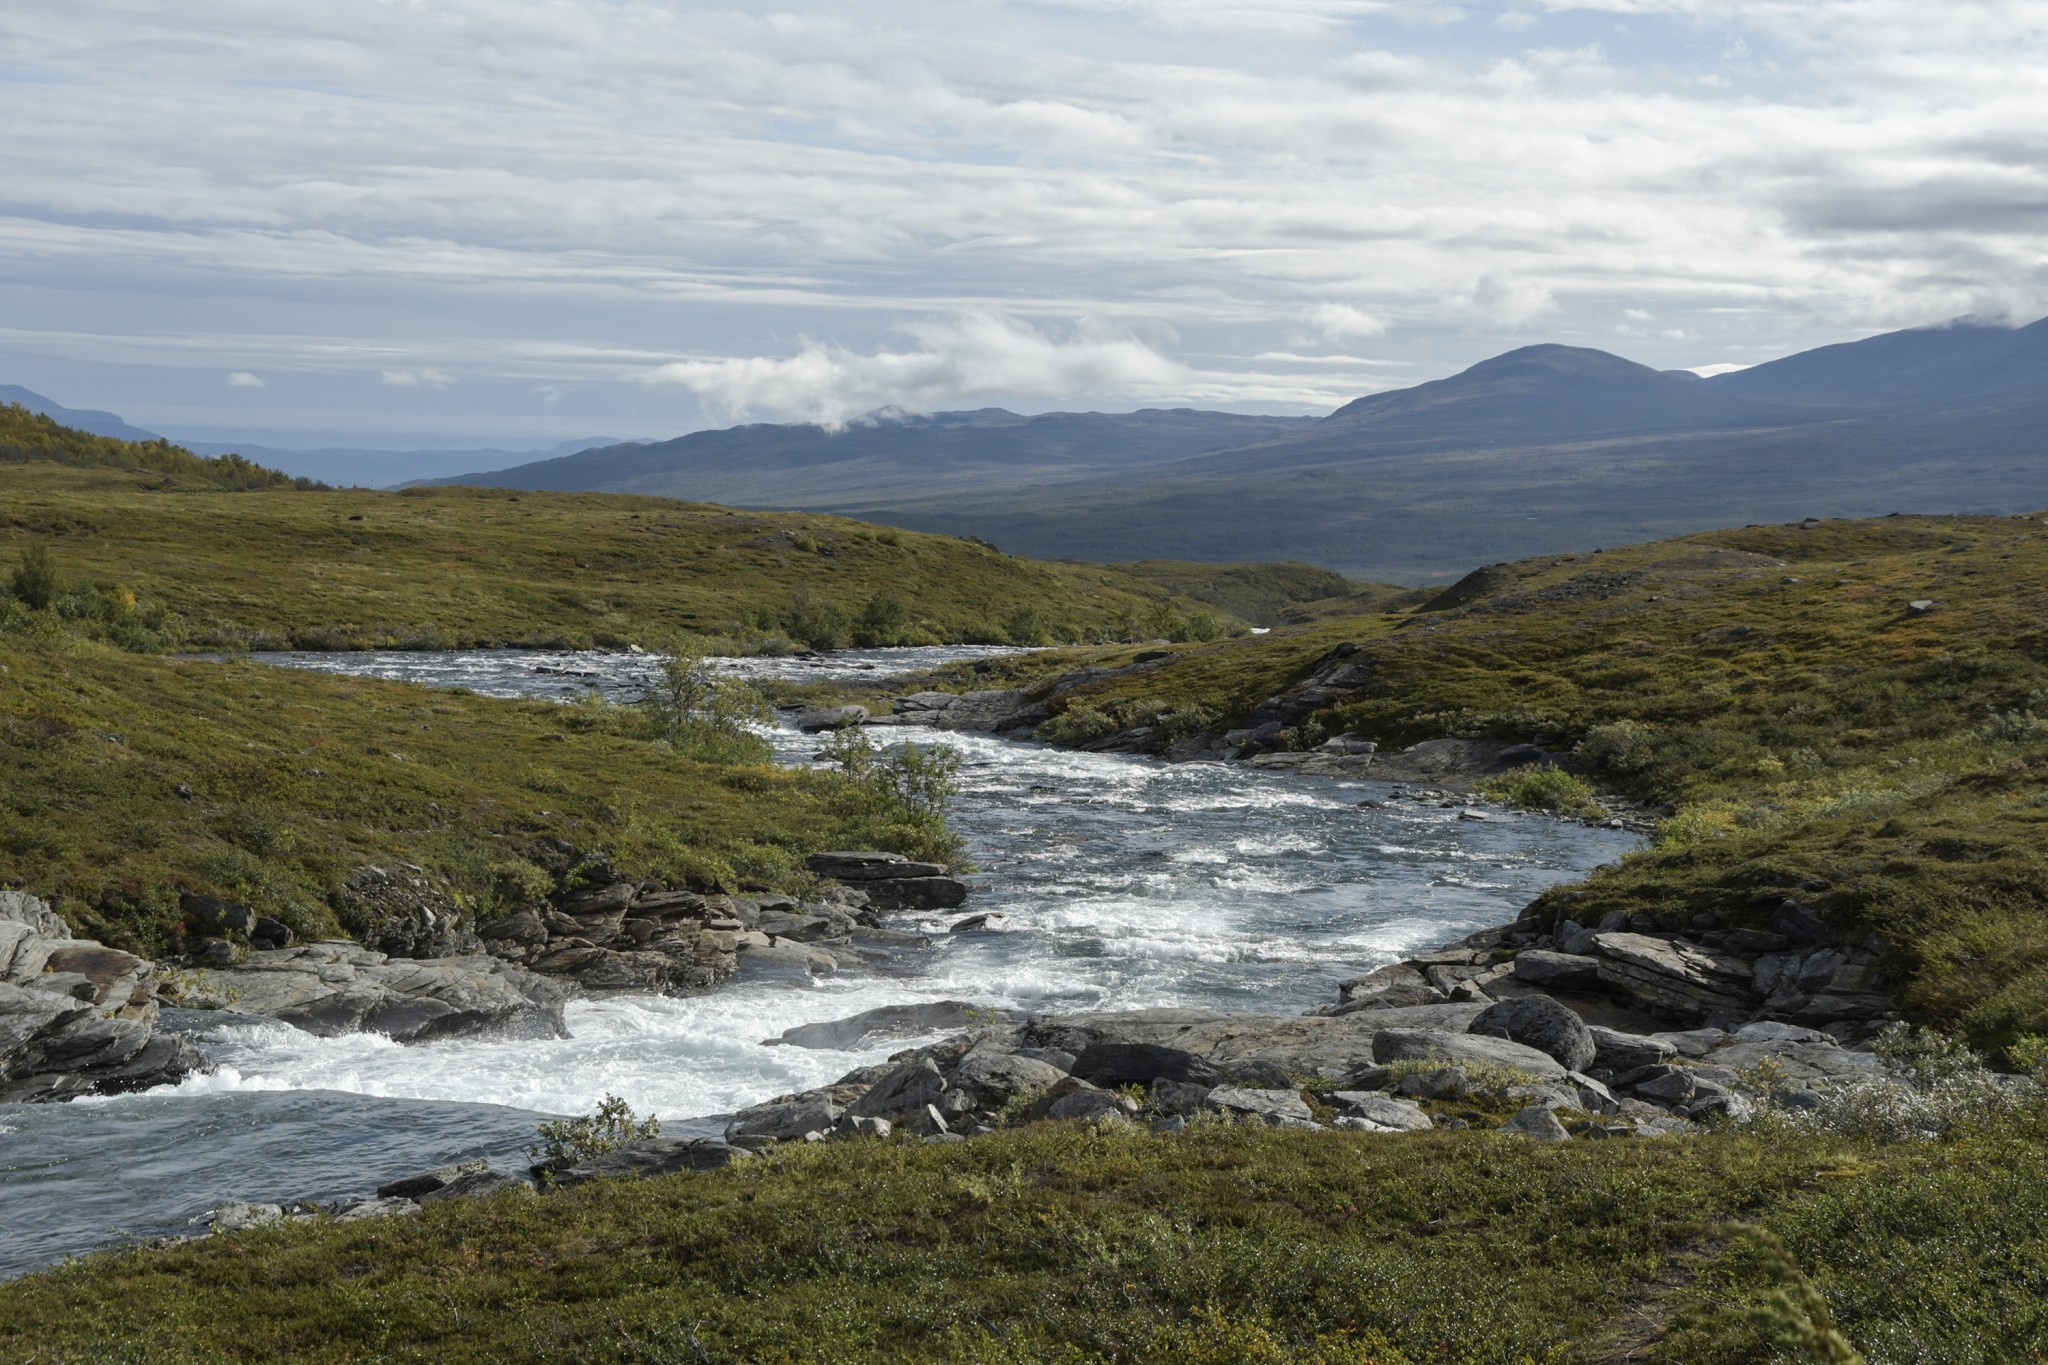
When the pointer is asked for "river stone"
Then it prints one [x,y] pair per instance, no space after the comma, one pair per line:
[1619,1053]
[904,1090]
[426,1182]
[1538,1021]
[856,864]
[1380,1110]
[238,1215]
[648,1157]
[1089,1104]
[997,1077]
[1404,1045]
[1682,977]
[819,718]
[1275,1107]
[1557,971]
[1537,1123]
[916,893]
[785,1121]
[886,1021]
[478,1185]
[362,1210]
[1299,1045]
[1114,1064]
[334,988]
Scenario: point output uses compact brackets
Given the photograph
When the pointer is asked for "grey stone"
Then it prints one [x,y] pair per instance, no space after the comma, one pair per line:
[860,1126]
[1557,971]
[1696,1042]
[1444,1083]
[426,1182]
[1538,1124]
[1542,1023]
[1618,1052]
[1594,1097]
[785,1121]
[478,1185]
[362,1210]
[1666,1085]
[1682,977]
[1402,1045]
[830,718]
[916,893]
[648,1157]
[1090,1104]
[1380,1110]
[1178,1097]
[1113,1064]
[335,988]
[905,1090]
[1272,1106]
[997,1077]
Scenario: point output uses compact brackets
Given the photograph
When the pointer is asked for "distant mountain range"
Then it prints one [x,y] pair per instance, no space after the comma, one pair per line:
[330,464]
[1542,449]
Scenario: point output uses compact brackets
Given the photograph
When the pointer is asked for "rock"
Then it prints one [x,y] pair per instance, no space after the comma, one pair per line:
[1666,1085]
[904,1090]
[916,893]
[478,1184]
[1593,1097]
[1444,1083]
[785,1121]
[819,718]
[1271,1106]
[1618,1053]
[362,1210]
[399,912]
[859,1126]
[1299,1045]
[270,933]
[859,865]
[782,960]
[1090,1103]
[1538,1021]
[977,924]
[1538,1124]
[995,1078]
[426,1182]
[238,1215]
[1114,1064]
[1558,971]
[1177,1097]
[1380,1110]
[647,1157]
[1402,1045]
[335,988]
[1696,1042]
[18,907]
[1388,988]
[888,1021]
[214,917]
[1681,977]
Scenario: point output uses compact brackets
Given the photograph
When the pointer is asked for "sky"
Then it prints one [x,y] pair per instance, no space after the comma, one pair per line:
[517,222]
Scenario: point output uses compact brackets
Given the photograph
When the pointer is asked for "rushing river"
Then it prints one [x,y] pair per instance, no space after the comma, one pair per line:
[1124,882]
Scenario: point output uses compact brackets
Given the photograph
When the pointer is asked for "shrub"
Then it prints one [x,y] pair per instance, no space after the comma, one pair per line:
[702,715]
[897,796]
[1539,786]
[883,621]
[35,578]
[1078,725]
[564,1142]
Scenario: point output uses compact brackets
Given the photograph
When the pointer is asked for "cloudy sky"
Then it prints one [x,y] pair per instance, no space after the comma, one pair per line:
[399,222]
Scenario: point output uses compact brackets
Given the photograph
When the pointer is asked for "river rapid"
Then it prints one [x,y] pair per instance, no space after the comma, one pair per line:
[1124,883]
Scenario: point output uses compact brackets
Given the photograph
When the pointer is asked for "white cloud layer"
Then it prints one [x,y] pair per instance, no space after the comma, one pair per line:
[1075,202]
[242,379]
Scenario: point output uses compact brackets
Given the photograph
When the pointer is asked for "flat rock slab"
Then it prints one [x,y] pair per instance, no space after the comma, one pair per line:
[1296,1044]
[335,988]
[887,1021]
[1682,977]
[651,1157]
[1453,1049]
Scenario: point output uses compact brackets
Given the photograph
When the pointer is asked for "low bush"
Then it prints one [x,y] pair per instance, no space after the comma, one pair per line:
[1544,787]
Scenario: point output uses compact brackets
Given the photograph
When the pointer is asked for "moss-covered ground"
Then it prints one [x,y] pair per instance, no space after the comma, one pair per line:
[1062,1242]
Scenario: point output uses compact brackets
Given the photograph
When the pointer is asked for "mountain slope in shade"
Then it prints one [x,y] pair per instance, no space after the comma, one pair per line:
[80,419]
[1964,361]
[373,468]
[803,465]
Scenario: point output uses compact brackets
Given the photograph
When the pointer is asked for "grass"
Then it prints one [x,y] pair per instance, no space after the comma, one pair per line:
[1069,1243]
[132,778]
[1813,734]
[277,566]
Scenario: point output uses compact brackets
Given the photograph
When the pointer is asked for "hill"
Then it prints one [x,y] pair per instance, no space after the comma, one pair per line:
[79,419]
[894,455]
[31,437]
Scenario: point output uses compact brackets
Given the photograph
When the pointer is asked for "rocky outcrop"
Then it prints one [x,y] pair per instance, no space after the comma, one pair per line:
[76,1017]
[987,711]
[890,881]
[401,912]
[1686,978]
[334,988]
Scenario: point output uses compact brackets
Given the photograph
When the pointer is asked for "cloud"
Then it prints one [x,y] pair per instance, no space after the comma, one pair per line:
[1505,302]
[951,360]
[1709,371]
[242,379]
[417,379]
[1340,321]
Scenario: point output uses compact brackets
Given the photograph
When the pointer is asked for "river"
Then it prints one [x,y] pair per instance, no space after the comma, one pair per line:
[1124,882]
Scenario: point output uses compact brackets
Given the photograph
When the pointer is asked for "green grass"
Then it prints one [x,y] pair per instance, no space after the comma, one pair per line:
[1815,737]
[1061,1242]
[274,567]
[294,778]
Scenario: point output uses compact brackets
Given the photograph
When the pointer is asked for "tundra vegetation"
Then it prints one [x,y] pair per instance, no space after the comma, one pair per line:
[1846,711]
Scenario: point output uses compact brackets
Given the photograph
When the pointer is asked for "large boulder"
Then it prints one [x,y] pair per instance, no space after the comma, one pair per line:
[1279,1108]
[1682,978]
[886,1021]
[1557,971]
[336,988]
[784,1120]
[643,1158]
[1419,1045]
[401,912]
[1115,1064]
[996,1077]
[1538,1021]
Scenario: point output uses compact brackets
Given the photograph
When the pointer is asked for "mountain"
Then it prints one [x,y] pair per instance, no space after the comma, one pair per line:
[81,419]
[371,468]
[1554,448]
[890,454]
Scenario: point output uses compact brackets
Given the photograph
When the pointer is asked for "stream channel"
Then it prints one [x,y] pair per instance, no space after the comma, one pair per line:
[1125,883]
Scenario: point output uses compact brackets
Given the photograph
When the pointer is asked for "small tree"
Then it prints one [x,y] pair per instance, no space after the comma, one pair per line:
[882,621]
[699,713]
[897,797]
[35,578]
